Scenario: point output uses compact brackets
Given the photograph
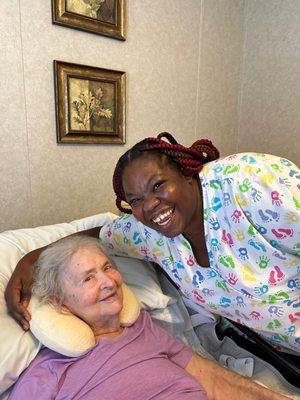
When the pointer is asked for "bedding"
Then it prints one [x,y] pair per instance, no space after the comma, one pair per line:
[154,292]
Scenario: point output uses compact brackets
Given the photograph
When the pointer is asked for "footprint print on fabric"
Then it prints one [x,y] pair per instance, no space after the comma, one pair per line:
[227,238]
[267,179]
[268,215]
[282,233]
[248,274]
[198,296]
[227,261]
[276,275]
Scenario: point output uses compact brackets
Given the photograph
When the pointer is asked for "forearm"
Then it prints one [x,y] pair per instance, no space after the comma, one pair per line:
[221,384]
[93,232]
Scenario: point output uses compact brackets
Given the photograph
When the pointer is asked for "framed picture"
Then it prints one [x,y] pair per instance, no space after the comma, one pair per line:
[90,104]
[103,17]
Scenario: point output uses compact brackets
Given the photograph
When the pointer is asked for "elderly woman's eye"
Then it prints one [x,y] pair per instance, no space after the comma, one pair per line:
[88,278]
[107,267]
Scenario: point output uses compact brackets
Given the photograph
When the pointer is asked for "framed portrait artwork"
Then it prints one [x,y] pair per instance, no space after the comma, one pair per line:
[103,17]
[90,104]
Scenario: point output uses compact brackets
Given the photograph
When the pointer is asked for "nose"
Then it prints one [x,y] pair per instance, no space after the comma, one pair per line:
[105,281]
[150,203]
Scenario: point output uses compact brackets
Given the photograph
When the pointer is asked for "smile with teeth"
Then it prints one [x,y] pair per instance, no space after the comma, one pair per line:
[164,218]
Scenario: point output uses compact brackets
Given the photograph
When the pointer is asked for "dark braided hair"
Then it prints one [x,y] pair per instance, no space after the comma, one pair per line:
[189,160]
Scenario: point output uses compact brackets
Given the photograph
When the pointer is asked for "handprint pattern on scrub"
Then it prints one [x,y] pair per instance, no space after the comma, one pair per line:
[251,208]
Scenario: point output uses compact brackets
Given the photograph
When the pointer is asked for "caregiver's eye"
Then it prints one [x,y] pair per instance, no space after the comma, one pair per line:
[133,201]
[157,185]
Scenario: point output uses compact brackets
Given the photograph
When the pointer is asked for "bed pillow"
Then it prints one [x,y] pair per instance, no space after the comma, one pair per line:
[18,348]
[142,279]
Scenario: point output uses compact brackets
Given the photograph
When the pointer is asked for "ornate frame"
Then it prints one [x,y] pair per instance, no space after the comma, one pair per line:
[90,104]
[112,23]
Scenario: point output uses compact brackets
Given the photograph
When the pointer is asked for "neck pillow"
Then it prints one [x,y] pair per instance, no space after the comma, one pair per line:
[69,335]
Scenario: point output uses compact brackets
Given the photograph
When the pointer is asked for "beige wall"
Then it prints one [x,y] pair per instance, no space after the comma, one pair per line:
[269,115]
[221,41]
[184,74]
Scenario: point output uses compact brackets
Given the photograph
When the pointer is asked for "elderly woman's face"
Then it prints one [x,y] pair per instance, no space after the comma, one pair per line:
[161,197]
[92,286]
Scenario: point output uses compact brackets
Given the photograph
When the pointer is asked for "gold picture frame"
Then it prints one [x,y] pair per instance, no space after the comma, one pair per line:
[103,17]
[90,104]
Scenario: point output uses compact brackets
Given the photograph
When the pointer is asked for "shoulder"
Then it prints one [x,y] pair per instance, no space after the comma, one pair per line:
[145,321]
[41,369]
[251,164]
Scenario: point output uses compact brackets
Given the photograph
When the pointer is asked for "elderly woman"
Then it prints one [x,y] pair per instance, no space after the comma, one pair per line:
[138,362]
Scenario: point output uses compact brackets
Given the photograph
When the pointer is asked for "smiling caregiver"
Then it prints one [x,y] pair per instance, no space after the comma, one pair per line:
[226,230]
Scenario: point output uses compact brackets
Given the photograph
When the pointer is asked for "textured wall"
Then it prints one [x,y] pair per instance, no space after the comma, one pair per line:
[43,182]
[221,41]
[270,85]
[14,163]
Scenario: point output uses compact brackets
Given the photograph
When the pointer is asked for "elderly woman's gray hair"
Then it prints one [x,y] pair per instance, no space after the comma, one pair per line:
[53,261]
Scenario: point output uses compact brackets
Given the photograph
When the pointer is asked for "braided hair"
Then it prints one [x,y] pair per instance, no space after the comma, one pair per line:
[189,160]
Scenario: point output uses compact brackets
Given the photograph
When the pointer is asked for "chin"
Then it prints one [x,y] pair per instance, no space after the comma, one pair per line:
[171,232]
[117,307]
[175,228]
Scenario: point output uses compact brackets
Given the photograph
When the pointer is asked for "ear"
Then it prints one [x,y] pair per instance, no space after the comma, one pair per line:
[65,309]
[55,301]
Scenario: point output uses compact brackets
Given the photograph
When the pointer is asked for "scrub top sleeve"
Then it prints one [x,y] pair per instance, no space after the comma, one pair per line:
[123,237]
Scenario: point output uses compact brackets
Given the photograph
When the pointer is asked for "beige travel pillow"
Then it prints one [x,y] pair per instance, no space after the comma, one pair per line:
[69,335]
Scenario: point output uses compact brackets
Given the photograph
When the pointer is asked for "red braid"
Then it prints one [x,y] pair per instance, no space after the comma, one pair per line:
[189,160]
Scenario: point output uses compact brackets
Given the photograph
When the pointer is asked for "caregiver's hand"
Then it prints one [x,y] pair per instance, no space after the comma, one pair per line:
[17,293]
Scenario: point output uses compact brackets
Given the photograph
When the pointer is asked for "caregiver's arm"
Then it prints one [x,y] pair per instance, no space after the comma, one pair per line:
[17,293]
[221,384]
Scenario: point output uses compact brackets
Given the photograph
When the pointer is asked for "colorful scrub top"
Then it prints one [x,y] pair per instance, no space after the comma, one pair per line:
[252,230]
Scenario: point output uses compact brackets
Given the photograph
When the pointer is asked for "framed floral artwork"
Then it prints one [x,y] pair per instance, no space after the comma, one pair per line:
[103,17]
[90,104]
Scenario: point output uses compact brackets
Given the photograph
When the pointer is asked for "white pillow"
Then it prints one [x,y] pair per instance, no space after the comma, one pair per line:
[141,277]
[18,348]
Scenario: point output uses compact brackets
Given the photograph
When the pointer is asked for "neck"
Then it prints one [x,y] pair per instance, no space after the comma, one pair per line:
[195,234]
[110,334]
[110,328]
[195,229]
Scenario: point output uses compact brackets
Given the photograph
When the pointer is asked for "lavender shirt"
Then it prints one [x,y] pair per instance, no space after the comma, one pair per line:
[143,363]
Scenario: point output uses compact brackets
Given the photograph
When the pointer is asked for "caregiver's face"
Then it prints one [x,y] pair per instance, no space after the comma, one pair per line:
[161,197]
[92,286]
